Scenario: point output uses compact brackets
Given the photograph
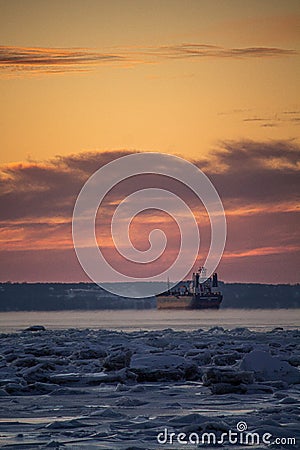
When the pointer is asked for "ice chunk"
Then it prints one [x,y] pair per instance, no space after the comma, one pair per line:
[53,444]
[188,419]
[130,402]
[118,360]
[267,367]
[63,424]
[163,366]
[35,328]
[227,359]
[108,413]
[227,388]
[90,353]
[288,400]
[217,375]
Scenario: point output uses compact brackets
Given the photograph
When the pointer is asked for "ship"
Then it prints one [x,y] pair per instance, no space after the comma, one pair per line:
[199,293]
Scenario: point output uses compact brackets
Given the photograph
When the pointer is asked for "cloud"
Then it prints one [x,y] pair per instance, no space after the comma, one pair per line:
[275,120]
[246,174]
[265,118]
[258,156]
[257,181]
[53,60]
[46,60]
[292,112]
[43,234]
[262,251]
[194,50]
[261,173]
[47,189]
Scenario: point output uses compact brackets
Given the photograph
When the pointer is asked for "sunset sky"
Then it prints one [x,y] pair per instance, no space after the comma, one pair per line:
[83,82]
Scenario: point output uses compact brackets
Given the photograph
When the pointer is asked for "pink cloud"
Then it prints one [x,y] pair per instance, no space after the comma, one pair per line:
[37,199]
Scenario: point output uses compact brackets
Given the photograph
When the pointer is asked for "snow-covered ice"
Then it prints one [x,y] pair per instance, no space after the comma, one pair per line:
[113,390]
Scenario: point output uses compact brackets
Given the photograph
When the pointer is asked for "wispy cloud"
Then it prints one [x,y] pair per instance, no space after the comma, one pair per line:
[274,120]
[262,251]
[265,118]
[52,60]
[194,50]
[43,60]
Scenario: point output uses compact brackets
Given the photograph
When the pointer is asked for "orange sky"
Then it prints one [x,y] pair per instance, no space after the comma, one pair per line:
[194,78]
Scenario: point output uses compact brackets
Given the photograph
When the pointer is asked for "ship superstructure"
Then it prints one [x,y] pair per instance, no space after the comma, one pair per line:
[199,293]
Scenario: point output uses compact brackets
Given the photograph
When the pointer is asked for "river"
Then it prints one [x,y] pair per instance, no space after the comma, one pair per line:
[130,320]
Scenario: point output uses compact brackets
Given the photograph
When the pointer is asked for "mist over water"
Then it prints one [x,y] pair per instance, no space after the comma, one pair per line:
[130,320]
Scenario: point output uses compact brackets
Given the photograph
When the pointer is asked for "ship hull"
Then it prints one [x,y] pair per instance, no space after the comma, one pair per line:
[189,301]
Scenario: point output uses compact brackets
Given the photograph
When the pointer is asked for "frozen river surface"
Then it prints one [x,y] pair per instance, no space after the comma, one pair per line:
[159,389]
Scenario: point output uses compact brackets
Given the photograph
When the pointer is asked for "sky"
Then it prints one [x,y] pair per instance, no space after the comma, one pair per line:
[84,82]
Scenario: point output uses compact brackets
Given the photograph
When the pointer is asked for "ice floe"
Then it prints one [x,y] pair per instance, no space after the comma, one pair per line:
[114,390]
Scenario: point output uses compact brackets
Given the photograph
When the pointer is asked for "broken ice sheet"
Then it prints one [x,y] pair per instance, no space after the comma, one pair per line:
[104,389]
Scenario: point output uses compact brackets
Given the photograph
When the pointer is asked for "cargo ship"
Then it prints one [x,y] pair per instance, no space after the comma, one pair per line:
[199,293]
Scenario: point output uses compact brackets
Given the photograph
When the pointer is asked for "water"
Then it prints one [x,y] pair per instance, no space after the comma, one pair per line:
[130,320]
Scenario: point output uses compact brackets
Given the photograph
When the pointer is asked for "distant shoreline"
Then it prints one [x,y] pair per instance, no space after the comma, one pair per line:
[88,296]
